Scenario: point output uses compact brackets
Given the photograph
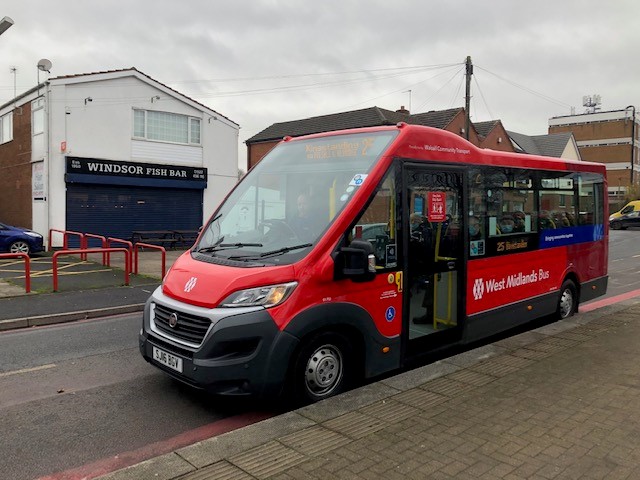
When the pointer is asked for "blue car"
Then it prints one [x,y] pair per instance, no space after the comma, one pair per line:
[19,240]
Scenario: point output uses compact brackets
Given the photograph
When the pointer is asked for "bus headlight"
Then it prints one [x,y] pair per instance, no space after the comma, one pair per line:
[268,296]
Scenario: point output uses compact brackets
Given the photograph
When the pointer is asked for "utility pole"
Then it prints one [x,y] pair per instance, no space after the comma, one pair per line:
[467,97]
[633,142]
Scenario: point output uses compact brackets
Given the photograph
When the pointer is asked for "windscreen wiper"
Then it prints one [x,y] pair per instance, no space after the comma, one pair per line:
[225,246]
[273,253]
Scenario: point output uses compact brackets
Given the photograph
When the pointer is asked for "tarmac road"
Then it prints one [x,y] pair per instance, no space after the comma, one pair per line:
[76,393]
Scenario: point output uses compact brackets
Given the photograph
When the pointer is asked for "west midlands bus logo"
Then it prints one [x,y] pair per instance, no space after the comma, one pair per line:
[478,288]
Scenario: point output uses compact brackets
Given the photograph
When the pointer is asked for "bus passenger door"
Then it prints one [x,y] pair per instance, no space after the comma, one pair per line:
[434,261]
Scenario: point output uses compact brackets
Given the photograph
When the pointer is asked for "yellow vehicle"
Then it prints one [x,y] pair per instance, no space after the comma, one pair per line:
[633,206]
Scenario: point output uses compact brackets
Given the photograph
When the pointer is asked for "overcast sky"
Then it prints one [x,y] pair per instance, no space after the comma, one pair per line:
[265,61]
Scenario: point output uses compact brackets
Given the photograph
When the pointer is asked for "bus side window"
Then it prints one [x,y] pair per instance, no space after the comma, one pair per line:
[377,224]
[493,227]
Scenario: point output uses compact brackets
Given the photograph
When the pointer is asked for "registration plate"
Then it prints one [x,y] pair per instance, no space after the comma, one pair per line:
[165,358]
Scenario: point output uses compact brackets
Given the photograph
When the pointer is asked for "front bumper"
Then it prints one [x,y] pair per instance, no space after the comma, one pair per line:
[241,353]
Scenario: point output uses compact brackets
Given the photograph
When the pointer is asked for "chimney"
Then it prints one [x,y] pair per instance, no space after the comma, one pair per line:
[403,110]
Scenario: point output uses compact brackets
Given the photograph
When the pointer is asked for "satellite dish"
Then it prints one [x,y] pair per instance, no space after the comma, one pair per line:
[45,65]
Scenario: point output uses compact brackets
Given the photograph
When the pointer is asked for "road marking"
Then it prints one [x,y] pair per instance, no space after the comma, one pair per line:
[609,301]
[162,447]
[28,370]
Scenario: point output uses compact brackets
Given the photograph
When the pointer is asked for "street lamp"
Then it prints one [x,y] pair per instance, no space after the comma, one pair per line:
[633,139]
[5,23]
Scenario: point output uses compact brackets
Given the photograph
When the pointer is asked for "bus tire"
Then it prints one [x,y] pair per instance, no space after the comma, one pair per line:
[568,300]
[616,225]
[323,368]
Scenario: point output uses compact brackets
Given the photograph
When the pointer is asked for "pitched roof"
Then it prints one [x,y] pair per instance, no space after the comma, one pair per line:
[435,118]
[131,70]
[366,117]
[551,145]
[484,128]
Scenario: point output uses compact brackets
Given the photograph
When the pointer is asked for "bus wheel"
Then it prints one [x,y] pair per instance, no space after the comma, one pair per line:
[616,225]
[568,302]
[322,368]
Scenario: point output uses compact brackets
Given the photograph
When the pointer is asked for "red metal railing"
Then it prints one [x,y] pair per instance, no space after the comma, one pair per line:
[27,267]
[129,245]
[103,244]
[65,242]
[127,261]
[153,247]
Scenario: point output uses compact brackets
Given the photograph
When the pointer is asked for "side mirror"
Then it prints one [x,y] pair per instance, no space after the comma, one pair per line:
[356,261]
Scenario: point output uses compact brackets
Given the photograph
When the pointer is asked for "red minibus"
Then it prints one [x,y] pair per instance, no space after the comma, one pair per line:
[344,255]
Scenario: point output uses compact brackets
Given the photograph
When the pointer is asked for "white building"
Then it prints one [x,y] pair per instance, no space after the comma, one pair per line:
[110,153]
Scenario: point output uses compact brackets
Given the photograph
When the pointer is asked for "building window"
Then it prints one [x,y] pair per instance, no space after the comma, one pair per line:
[166,127]
[138,123]
[37,113]
[6,128]
[194,130]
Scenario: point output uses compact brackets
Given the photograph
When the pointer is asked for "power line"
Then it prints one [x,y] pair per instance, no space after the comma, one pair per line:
[370,75]
[404,88]
[388,73]
[457,91]
[317,84]
[316,74]
[437,91]
[475,79]
[533,92]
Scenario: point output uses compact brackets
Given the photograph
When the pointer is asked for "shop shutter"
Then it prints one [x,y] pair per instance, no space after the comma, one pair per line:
[117,211]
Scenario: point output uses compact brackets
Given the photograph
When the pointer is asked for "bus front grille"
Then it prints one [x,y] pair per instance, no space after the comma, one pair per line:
[189,328]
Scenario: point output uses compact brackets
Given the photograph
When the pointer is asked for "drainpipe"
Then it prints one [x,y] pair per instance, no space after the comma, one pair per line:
[633,141]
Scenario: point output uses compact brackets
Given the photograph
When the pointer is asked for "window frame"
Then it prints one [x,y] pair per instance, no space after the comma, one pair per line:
[37,109]
[4,119]
[193,138]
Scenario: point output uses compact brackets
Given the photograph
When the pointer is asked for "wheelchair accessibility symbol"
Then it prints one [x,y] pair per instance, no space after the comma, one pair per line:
[358,180]
[390,314]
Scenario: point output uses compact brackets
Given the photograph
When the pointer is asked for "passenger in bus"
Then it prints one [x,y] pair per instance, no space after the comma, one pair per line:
[420,247]
[415,220]
[506,224]
[302,224]
[566,219]
[518,222]
[545,221]
[420,227]
[474,229]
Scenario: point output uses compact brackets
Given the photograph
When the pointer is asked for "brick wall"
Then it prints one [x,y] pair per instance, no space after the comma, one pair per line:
[596,130]
[457,125]
[498,139]
[15,172]
[605,153]
[256,151]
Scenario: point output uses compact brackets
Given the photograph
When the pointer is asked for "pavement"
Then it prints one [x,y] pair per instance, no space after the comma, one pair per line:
[561,401]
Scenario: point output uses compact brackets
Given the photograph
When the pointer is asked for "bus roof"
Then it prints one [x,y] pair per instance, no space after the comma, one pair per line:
[427,143]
